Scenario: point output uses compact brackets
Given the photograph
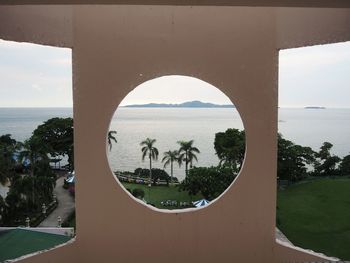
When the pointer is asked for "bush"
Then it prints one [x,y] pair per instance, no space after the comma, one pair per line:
[138,193]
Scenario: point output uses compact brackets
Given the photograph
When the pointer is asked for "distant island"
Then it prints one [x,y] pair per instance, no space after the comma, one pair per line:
[314,108]
[188,104]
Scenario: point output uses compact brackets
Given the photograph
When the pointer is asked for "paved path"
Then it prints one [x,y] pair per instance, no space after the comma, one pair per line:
[65,205]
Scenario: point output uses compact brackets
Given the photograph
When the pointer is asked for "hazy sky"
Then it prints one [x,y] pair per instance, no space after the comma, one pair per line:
[40,76]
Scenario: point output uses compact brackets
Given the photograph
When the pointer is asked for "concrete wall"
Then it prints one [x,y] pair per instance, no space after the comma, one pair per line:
[116,48]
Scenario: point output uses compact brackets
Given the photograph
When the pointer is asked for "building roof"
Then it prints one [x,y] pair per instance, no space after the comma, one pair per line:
[19,242]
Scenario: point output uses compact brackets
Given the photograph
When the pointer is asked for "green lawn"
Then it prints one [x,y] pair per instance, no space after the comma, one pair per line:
[316,215]
[156,194]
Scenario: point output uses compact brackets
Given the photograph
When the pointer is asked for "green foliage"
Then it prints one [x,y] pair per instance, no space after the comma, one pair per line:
[344,166]
[157,194]
[292,160]
[138,193]
[2,210]
[230,148]
[57,135]
[111,138]
[187,154]
[208,181]
[326,162]
[7,163]
[157,174]
[151,151]
[169,158]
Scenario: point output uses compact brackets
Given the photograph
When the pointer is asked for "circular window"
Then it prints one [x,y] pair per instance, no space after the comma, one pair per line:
[176,142]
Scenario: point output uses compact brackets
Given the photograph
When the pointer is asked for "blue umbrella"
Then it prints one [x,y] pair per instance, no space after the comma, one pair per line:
[200,203]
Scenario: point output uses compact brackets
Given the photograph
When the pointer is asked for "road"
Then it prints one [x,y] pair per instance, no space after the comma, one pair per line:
[65,206]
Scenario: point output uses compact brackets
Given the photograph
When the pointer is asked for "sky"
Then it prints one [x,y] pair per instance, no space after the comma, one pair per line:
[41,76]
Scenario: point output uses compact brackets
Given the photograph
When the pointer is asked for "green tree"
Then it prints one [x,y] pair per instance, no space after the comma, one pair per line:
[187,153]
[57,135]
[293,160]
[209,181]
[34,151]
[344,166]
[152,152]
[111,138]
[326,163]
[8,147]
[169,158]
[157,174]
[230,148]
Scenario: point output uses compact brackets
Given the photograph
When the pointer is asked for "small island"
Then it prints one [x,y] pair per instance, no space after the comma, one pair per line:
[314,108]
[188,104]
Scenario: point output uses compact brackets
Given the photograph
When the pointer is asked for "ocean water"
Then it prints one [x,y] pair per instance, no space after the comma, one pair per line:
[308,127]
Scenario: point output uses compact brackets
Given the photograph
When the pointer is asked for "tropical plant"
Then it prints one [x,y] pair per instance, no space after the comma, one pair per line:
[111,138]
[208,181]
[230,148]
[151,151]
[8,147]
[57,135]
[33,151]
[326,163]
[345,165]
[169,158]
[187,153]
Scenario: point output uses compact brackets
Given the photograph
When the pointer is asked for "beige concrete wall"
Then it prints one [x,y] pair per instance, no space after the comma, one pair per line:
[115,48]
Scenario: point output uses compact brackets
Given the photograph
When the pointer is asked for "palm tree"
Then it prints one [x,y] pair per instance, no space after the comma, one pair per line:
[170,157]
[187,153]
[152,152]
[111,138]
[33,151]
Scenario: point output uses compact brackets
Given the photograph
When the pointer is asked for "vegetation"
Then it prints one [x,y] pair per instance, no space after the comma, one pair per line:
[210,182]
[155,195]
[325,164]
[345,166]
[26,166]
[315,215]
[56,135]
[157,175]
[111,138]
[187,154]
[169,158]
[230,148]
[151,151]
[293,160]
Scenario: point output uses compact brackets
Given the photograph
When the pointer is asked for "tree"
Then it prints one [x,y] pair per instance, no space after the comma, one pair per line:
[34,151]
[292,160]
[344,166]
[151,151]
[326,162]
[157,174]
[209,181]
[57,135]
[230,148]
[8,147]
[187,153]
[169,158]
[111,138]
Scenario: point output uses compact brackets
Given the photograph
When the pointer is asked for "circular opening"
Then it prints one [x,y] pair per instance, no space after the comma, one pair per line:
[176,142]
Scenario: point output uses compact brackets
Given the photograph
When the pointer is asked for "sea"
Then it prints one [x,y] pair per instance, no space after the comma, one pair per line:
[307,127]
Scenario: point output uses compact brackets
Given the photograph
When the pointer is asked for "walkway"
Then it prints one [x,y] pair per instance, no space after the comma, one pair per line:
[65,206]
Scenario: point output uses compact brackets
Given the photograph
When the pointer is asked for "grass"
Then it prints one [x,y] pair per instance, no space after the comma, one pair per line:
[316,215]
[156,194]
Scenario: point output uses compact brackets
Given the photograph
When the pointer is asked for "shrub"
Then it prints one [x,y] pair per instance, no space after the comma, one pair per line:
[138,193]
